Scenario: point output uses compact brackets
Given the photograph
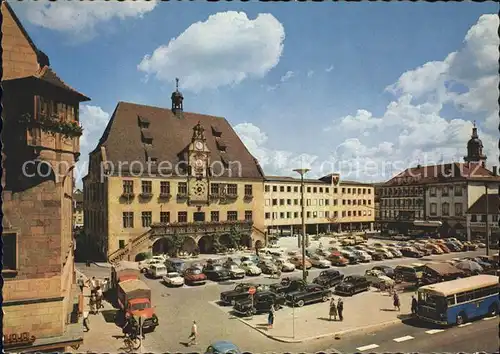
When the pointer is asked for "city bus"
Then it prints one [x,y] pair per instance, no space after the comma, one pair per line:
[457,301]
[423,228]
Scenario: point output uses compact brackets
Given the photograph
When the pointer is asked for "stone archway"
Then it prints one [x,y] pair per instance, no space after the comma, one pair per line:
[189,245]
[246,241]
[225,240]
[259,244]
[206,244]
[162,246]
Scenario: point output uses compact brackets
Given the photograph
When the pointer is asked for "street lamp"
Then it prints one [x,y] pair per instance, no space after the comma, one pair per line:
[302,172]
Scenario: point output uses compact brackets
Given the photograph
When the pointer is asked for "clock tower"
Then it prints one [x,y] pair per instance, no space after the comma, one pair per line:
[199,162]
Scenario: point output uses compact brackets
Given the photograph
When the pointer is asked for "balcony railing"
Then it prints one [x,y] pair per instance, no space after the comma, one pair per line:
[162,229]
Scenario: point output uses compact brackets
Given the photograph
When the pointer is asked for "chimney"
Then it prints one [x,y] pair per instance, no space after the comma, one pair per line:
[495,171]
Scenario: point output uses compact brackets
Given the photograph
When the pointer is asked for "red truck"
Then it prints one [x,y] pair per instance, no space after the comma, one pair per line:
[133,295]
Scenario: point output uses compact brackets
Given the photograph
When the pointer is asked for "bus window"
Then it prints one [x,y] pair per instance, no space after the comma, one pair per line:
[450,300]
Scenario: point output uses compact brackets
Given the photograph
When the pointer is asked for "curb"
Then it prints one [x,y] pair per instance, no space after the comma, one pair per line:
[102,264]
[334,334]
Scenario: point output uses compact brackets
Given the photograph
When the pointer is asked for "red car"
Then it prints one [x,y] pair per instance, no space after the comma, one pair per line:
[194,276]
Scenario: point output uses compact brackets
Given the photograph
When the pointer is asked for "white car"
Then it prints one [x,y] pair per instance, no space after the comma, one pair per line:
[286,266]
[362,255]
[250,268]
[395,252]
[173,279]
[319,262]
[145,264]
[386,253]
[235,271]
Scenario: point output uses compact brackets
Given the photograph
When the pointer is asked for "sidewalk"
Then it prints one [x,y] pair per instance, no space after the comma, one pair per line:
[365,311]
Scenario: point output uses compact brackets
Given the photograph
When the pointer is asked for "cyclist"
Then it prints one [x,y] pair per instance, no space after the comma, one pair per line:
[130,328]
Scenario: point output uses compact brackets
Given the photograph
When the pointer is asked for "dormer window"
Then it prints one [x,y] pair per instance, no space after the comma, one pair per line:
[221,145]
[146,136]
[216,131]
[143,122]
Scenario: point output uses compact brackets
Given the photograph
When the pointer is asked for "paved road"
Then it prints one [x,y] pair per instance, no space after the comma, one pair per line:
[412,336]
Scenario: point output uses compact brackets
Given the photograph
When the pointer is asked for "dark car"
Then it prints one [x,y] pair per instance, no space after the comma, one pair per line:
[216,272]
[350,257]
[240,292]
[329,278]
[389,271]
[376,255]
[267,267]
[288,285]
[453,247]
[409,273]
[309,294]
[352,284]
[260,303]
[411,252]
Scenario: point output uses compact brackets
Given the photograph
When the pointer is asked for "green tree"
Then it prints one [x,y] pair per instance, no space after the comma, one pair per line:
[235,237]
[177,243]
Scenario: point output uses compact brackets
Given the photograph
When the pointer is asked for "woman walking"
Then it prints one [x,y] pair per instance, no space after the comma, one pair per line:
[333,310]
[340,309]
[270,317]
[397,304]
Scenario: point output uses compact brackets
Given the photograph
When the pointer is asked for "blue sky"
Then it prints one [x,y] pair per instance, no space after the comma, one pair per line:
[301,83]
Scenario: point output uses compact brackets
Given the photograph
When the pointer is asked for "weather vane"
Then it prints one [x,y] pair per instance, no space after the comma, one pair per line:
[177,83]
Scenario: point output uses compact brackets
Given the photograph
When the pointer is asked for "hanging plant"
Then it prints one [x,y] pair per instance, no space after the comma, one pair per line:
[52,124]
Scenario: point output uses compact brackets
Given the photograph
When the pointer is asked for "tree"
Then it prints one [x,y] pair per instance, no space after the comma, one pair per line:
[177,241]
[234,237]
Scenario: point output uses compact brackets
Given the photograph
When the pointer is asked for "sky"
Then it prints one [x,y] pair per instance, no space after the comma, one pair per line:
[361,89]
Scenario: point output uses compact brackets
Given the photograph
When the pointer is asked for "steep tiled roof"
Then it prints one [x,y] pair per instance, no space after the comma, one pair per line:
[48,75]
[450,172]
[171,137]
[479,207]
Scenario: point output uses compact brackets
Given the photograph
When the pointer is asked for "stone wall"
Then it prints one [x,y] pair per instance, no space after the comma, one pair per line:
[40,319]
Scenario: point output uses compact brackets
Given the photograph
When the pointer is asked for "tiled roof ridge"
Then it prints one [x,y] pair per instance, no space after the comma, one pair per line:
[168,109]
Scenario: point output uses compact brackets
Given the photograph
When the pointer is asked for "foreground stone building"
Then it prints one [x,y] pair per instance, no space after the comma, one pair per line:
[331,205]
[166,181]
[40,147]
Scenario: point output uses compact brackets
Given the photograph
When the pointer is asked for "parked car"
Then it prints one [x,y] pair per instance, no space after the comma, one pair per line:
[198,265]
[240,292]
[469,246]
[284,264]
[385,252]
[173,279]
[329,278]
[434,249]
[389,271]
[156,271]
[322,252]
[176,265]
[261,302]
[252,258]
[362,256]
[194,276]
[308,294]
[319,261]
[250,268]
[222,347]
[216,272]
[453,247]
[350,257]
[297,262]
[352,284]
[234,270]
[377,279]
[409,273]
[422,249]
[145,264]
[288,285]
[395,252]
[481,262]
[267,267]
[337,259]
[442,247]
[411,252]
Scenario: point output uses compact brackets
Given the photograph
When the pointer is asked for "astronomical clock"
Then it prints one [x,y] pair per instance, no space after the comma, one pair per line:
[199,162]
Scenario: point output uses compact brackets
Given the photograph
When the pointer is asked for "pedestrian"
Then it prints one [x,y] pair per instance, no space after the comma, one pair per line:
[333,310]
[270,317]
[193,335]
[81,282]
[99,298]
[340,309]
[414,305]
[397,304]
[86,321]
[93,304]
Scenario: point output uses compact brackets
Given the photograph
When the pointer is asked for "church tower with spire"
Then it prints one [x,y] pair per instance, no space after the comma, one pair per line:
[475,148]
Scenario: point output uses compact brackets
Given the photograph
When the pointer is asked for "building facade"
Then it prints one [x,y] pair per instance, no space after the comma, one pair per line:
[40,147]
[438,193]
[78,209]
[331,205]
[481,212]
[164,180]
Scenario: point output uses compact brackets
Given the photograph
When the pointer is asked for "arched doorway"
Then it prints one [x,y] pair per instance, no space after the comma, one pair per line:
[189,246]
[162,246]
[225,240]
[246,241]
[259,244]
[206,244]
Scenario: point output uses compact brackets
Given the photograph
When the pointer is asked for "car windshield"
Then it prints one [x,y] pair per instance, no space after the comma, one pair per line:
[140,306]
[348,279]
[217,268]
[432,300]
[173,275]
[194,271]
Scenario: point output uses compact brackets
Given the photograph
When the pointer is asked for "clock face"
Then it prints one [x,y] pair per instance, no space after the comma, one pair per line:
[198,145]
[198,163]
[199,188]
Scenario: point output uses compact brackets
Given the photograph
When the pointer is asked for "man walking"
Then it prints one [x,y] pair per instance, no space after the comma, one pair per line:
[414,305]
[340,309]
[86,321]
[193,335]
[397,304]
[81,282]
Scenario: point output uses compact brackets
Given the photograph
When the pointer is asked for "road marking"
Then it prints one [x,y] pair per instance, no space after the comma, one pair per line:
[465,324]
[402,339]
[367,347]
[434,331]
[488,318]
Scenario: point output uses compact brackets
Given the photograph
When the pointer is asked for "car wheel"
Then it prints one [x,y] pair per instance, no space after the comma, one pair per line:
[461,318]
[249,313]
[300,303]
[352,292]
[493,310]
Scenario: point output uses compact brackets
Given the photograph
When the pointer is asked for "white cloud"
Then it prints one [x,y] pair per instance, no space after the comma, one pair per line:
[310,73]
[330,68]
[288,75]
[94,121]
[81,18]
[408,132]
[224,50]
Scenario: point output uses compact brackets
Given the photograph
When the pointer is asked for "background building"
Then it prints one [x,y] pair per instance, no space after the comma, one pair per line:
[331,205]
[479,213]
[40,128]
[78,209]
[175,181]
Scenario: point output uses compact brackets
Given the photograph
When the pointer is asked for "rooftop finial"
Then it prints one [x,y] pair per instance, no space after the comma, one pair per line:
[177,85]
[474,123]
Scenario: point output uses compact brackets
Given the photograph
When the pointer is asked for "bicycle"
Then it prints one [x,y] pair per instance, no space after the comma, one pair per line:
[132,342]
